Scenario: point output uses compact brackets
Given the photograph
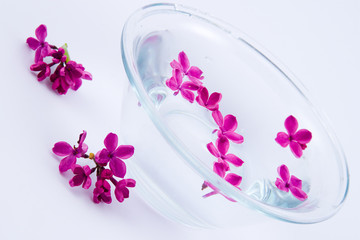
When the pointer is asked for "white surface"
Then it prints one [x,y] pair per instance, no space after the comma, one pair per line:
[318,41]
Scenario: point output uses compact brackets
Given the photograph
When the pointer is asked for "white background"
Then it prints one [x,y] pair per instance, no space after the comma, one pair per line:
[317,40]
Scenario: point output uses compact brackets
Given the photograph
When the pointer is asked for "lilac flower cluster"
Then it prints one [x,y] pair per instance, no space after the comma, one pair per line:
[68,73]
[112,154]
[226,125]
[296,140]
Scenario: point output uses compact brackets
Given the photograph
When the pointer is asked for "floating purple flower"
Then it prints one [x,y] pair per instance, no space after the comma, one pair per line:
[38,44]
[296,139]
[70,153]
[42,68]
[183,64]
[121,190]
[102,191]
[212,102]
[82,176]
[227,127]
[220,151]
[176,84]
[292,183]
[114,155]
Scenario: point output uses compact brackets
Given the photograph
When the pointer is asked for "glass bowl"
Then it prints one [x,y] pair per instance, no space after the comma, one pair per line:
[172,161]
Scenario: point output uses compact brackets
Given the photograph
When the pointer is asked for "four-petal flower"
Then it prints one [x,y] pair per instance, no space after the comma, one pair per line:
[296,139]
[121,191]
[183,64]
[227,126]
[113,154]
[210,102]
[82,176]
[102,192]
[42,48]
[176,84]
[71,154]
[291,183]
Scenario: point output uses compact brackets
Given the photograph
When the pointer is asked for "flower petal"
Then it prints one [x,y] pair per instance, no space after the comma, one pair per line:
[184,61]
[281,185]
[62,149]
[190,86]
[218,118]
[119,194]
[219,168]
[195,72]
[67,163]
[222,144]
[213,150]
[124,151]
[130,182]
[296,182]
[234,137]
[41,33]
[230,123]
[33,43]
[303,136]
[77,180]
[298,193]
[235,160]
[175,65]
[111,142]
[283,172]
[214,99]
[233,179]
[188,95]
[172,84]
[118,167]
[282,139]
[87,183]
[103,156]
[291,125]
[296,149]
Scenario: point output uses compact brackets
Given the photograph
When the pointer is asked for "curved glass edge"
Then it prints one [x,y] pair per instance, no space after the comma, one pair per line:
[278,213]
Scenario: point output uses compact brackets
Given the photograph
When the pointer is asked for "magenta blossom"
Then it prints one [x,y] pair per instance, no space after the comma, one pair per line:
[227,127]
[292,183]
[220,151]
[82,176]
[176,84]
[121,191]
[102,192]
[296,139]
[114,155]
[73,73]
[210,102]
[183,64]
[42,48]
[70,153]
[42,68]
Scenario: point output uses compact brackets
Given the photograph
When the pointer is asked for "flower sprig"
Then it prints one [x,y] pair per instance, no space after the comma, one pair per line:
[112,154]
[67,75]
[226,125]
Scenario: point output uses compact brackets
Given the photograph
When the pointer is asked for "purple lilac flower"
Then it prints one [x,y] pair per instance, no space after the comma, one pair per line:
[42,68]
[71,154]
[292,183]
[102,192]
[220,151]
[121,190]
[296,139]
[176,84]
[183,64]
[38,44]
[113,154]
[82,176]
[227,127]
[210,102]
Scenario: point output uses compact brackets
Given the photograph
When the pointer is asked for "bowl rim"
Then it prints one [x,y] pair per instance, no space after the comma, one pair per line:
[145,101]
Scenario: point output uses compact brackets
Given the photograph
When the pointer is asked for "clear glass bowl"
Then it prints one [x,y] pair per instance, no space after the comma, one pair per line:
[171,160]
